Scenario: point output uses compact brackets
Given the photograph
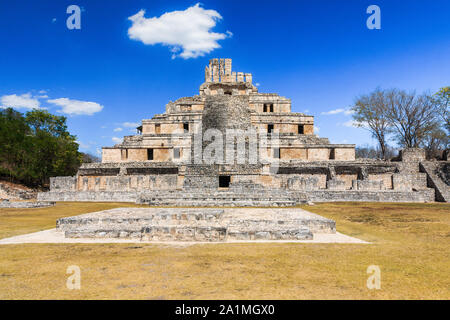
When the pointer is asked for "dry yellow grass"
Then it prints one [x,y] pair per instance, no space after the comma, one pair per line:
[411,245]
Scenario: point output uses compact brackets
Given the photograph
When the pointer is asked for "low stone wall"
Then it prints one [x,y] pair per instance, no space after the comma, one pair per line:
[88,196]
[377,196]
[25,204]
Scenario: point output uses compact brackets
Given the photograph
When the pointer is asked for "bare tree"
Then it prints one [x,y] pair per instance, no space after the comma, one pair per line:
[370,152]
[435,142]
[370,113]
[412,116]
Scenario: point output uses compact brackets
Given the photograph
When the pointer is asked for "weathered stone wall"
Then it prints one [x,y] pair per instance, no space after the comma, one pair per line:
[63,184]
[126,183]
[89,196]
[344,154]
[372,196]
[111,155]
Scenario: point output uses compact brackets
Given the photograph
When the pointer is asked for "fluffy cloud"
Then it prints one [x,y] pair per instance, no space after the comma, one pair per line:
[350,124]
[316,130]
[337,111]
[76,107]
[118,129]
[187,33]
[24,101]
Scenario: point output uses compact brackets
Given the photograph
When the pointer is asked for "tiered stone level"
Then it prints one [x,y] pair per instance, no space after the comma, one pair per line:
[217,225]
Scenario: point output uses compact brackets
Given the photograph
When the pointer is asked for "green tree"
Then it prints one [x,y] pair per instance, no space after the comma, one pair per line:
[36,146]
[54,151]
[442,100]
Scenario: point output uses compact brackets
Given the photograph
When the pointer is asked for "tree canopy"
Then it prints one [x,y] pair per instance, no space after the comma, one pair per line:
[36,146]
[412,120]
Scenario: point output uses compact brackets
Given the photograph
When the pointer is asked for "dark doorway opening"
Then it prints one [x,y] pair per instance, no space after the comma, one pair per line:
[270,128]
[149,154]
[268,107]
[186,126]
[301,129]
[224,181]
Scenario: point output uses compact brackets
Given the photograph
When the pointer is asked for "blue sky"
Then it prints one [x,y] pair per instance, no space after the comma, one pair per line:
[318,53]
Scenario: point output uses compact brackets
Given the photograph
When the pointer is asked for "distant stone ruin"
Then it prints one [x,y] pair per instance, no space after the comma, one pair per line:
[233,146]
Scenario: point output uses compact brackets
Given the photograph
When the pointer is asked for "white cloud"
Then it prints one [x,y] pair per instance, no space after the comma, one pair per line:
[349,124]
[76,107]
[117,140]
[24,101]
[316,129]
[187,33]
[98,151]
[337,111]
[131,124]
[118,129]
[349,112]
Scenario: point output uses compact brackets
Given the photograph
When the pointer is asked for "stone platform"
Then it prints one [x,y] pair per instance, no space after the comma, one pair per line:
[200,224]
[26,204]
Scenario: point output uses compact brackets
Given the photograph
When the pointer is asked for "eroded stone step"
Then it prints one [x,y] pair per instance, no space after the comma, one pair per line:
[270,234]
[154,233]
[215,203]
[192,233]
[117,219]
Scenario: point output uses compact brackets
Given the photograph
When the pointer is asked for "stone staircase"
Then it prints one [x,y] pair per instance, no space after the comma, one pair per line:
[435,179]
[207,225]
[239,195]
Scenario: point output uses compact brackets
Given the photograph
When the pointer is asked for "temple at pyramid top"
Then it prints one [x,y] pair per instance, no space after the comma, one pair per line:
[219,70]
[220,76]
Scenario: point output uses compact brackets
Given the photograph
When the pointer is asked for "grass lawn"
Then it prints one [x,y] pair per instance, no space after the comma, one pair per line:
[410,244]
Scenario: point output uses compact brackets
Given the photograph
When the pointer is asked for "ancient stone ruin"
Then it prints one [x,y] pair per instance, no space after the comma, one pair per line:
[231,145]
[199,224]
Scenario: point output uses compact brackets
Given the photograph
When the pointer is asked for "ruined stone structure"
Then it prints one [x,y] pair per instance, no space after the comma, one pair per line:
[199,224]
[183,157]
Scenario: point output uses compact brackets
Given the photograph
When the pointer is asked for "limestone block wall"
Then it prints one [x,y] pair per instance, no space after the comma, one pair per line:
[63,183]
[303,181]
[308,129]
[386,178]
[125,183]
[347,180]
[344,154]
[412,155]
[137,155]
[293,153]
[315,154]
[368,185]
[162,154]
[111,155]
